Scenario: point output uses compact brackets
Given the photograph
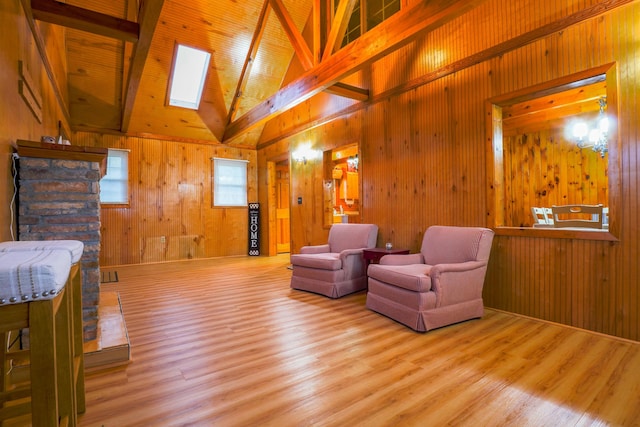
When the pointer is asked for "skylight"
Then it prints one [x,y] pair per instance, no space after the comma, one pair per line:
[189,71]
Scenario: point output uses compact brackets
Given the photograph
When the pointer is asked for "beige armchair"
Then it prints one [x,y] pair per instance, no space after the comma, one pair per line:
[440,285]
[337,268]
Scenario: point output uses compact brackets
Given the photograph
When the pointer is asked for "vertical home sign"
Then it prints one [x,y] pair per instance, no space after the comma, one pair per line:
[254,229]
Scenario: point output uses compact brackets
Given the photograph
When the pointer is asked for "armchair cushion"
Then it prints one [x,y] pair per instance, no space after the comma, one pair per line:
[414,277]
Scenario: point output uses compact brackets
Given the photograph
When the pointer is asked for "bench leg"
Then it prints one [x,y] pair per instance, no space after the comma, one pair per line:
[44,390]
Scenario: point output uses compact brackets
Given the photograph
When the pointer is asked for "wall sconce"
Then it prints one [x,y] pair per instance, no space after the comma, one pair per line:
[596,136]
[304,153]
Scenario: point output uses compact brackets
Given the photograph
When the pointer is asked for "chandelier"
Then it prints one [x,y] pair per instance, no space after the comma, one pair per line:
[595,137]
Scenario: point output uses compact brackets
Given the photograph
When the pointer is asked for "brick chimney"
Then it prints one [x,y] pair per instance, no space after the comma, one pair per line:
[59,199]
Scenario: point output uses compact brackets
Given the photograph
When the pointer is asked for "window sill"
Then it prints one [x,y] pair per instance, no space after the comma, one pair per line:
[115,205]
[557,233]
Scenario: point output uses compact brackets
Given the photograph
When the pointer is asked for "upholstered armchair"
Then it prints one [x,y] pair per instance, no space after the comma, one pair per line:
[337,268]
[440,285]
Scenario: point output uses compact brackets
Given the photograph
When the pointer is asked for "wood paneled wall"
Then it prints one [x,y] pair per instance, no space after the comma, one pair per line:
[423,159]
[16,119]
[170,216]
[545,169]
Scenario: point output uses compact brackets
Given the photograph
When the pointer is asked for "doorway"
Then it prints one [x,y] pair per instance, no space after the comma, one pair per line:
[283,230]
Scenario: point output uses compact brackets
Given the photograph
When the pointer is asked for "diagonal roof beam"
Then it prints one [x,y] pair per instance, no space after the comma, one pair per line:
[316,25]
[348,91]
[248,62]
[148,19]
[86,20]
[297,41]
[338,26]
[397,31]
[307,58]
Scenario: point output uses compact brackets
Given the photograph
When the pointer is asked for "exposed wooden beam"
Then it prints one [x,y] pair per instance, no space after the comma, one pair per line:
[297,41]
[348,91]
[248,62]
[86,20]
[148,19]
[338,26]
[400,29]
[482,56]
[316,25]
[42,50]
[127,53]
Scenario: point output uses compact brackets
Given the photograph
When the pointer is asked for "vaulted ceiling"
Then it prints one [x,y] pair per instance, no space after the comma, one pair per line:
[267,57]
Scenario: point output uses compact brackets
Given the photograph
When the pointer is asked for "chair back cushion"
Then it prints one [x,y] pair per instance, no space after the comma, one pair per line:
[447,244]
[352,236]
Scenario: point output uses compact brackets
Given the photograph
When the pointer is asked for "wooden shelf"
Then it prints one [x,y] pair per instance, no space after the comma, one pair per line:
[45,150]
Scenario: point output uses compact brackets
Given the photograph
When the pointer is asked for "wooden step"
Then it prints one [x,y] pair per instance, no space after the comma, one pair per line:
[111,346]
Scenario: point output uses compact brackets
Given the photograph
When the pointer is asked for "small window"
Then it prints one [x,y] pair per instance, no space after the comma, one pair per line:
[379,10]
[188,75]
[229,182]
[114,186]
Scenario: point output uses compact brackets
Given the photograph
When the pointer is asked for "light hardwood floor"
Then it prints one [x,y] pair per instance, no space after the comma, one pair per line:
[226,342]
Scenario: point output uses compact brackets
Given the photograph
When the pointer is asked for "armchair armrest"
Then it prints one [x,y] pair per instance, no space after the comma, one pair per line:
[317,249]
[406,259]
[454,283]
[352,262]
[440,269]
[345,253]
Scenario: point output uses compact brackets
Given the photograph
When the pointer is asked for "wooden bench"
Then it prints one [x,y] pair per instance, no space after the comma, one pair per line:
[42,290]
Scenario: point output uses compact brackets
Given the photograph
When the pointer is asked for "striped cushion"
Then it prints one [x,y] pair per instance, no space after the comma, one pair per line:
[32,275]
[74,247]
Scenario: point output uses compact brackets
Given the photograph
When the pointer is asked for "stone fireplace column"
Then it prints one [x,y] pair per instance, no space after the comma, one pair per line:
[59,199]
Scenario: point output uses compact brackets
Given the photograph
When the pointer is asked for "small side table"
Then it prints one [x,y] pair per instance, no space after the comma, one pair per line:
[373,255]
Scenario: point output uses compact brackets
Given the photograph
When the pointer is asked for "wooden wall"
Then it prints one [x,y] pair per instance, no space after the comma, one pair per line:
[170,216]
[546,169]
[423,152]
[16,119]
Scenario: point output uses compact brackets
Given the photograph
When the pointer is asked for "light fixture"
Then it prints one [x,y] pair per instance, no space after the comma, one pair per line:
[304,153]
[596,137]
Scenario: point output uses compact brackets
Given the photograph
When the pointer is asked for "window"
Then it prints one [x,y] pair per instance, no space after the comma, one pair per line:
[229,182]
[376,12]
[379,10]
[353,28]
[114,186]
[188,75]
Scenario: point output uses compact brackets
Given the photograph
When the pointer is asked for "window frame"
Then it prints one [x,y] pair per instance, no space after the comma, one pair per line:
[216,162]
[127,181]
[195,105]
[494,149]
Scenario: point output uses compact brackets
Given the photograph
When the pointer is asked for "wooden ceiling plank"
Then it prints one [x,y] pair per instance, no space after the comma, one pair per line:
[248,62]
[295,37]
[85,20]
[148,19]
[338,27]
[588,95]
[348,91]
[399,30]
